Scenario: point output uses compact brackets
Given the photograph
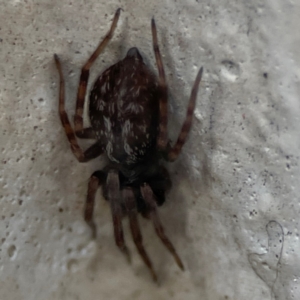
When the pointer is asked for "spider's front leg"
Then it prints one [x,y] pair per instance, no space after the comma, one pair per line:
[149,198]
[130,204]
[113,195]
[96,180]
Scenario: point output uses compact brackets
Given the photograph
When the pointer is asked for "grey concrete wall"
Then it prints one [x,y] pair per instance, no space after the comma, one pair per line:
[233,212]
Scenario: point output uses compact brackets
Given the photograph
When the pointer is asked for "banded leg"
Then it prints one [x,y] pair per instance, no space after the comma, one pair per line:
[130,204]
[92,152]
[113,194]
[151,203]
[185,129]
[85,71]
[162,137]
[96,180]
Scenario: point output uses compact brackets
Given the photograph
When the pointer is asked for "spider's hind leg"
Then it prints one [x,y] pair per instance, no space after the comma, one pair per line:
[185,129]
[82,156]
[162,137]
[79,131]
[85,71]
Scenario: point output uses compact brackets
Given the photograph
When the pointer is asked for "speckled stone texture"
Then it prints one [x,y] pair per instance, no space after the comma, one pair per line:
[233,211]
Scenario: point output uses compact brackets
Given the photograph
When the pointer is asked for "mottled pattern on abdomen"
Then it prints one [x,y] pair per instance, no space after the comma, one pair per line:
[124,110]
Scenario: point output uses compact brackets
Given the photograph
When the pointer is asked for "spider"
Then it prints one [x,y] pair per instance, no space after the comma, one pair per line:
[129,116]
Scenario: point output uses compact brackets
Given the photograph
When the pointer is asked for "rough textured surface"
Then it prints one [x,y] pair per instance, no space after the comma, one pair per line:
[233,213]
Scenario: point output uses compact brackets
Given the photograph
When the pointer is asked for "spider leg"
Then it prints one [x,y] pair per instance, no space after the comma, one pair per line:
[176,149]
[86,133]
[85,71]
[151,203]
[162,137]
[113,194]
[130,204]
[92,152]
[96,180]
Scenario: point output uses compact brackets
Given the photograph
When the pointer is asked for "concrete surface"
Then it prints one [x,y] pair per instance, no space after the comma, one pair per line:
[233,212]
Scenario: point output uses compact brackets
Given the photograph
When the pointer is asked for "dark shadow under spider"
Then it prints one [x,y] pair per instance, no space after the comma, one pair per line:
[128,111]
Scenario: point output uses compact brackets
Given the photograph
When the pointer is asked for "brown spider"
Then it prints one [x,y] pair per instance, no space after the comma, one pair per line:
[129,117]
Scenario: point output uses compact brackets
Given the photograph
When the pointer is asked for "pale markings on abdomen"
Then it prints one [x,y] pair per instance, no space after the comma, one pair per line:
[126,129]
[134,108]
[100,105]
[108,129]
[103,88]
[137,91]
[109,150]
[127,148]
[111,108]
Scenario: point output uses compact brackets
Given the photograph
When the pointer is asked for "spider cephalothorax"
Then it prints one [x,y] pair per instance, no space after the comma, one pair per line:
[128,114]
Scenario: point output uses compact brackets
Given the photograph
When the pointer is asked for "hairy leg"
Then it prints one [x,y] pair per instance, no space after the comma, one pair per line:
[96,149]
[85,71]
[162,137]
[96,180]
[113,194]
[185,129]
[130,204]
[151,203]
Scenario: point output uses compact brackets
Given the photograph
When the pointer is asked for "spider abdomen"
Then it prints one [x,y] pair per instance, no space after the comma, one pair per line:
[124,106]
